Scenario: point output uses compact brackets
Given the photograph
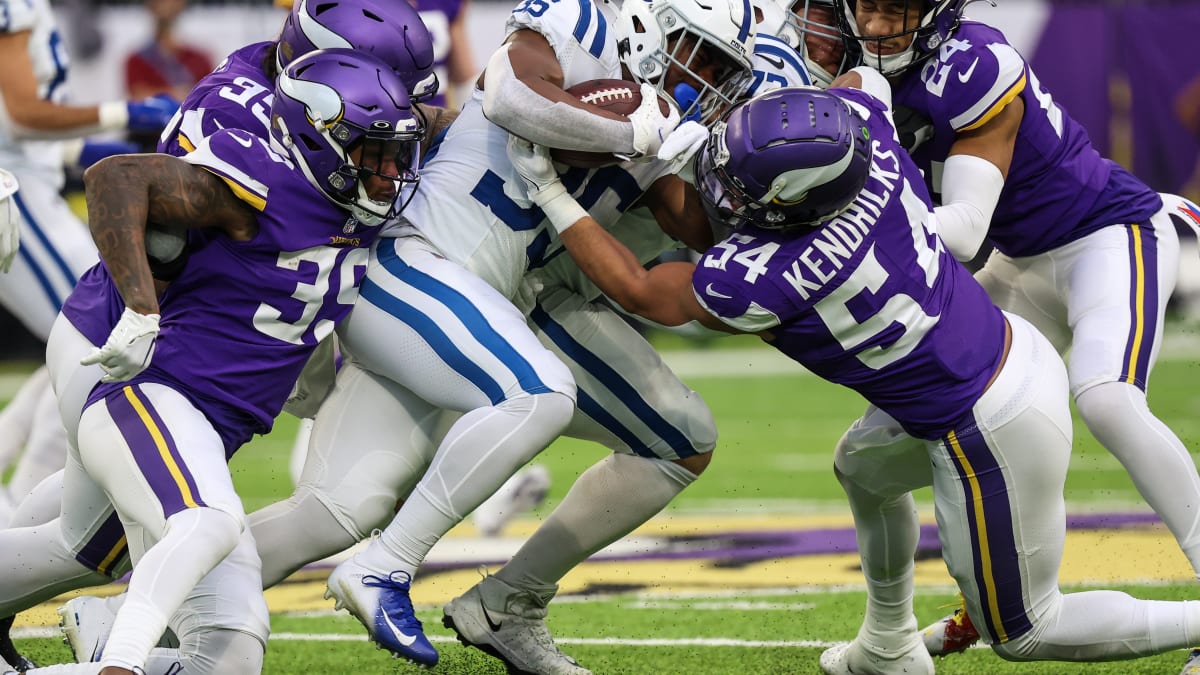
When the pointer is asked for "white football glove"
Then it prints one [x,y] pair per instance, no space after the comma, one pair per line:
[10,220]
[128,349]
[682,145]
[650,126]
[542,183]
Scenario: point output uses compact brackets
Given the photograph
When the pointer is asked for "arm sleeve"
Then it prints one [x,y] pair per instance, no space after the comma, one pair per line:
[970,191]
[510,103]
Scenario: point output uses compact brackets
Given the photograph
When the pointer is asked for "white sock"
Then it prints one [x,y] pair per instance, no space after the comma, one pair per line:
[291,533]
[481,450]
[1160,466]
[607,502]
[887,531]
[194,542]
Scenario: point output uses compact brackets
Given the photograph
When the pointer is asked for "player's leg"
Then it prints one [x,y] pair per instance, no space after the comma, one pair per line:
[878,465]
[224,624]
[371,443]
[162,465]
[663,434]
[440,331]
[45,450]
[1119,280]
[16,423]
[998,490]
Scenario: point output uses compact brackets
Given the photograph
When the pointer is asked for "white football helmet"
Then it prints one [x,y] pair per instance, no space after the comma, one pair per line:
[653,35]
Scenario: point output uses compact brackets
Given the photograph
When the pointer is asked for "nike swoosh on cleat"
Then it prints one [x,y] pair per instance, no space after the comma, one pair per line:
[488,617]
[404,638]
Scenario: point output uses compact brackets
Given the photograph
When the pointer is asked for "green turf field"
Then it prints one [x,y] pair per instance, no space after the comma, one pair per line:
[773,462]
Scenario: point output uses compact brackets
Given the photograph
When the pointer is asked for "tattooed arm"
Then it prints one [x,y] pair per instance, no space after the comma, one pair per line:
[127,191]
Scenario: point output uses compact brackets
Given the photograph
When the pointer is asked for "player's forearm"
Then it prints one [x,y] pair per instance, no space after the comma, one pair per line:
[118,195]
[612,267]
[544,114]
[43,120]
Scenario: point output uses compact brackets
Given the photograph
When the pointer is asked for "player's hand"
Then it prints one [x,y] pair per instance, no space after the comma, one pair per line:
[10,220]
[542,183]
[151,114]
[129,347]
[533,164]
[682,145]
[650,126]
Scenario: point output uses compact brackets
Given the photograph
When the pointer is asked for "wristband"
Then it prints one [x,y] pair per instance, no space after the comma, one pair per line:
[560,207]
[114,115]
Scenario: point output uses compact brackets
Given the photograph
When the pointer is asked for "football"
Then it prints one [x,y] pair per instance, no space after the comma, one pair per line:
[616,96]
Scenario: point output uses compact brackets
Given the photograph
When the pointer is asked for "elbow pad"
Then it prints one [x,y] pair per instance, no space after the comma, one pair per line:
[511,104]
[970,191]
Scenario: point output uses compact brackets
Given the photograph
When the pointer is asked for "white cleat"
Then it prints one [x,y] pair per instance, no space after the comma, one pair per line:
[852,659]
[510,625]
[85,623]
[524,492]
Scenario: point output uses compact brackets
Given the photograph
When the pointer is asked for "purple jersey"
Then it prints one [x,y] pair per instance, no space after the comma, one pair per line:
[242,318]
[438,16]
[869,299]
[1059,188]
[236,95]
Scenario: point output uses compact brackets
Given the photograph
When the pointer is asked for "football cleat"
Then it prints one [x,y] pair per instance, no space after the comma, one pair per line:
[525,491]
[8,651]
[1192,665]
[382,604]
[85,623]
[853,659]
[509,624]
[951,634]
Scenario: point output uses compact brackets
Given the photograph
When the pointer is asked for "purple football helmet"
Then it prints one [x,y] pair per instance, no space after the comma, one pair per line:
[389,29]
[788,158]
[345,118]
[932,23]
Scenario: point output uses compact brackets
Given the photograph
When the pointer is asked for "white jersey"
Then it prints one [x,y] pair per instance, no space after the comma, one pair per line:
[776,65]
[637,230]
[472,205]
[49,58]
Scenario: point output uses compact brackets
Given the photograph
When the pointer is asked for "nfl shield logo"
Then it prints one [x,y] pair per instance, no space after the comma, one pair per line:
[350,227]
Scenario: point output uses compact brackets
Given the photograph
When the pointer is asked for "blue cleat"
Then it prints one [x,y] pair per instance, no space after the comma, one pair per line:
[383,606]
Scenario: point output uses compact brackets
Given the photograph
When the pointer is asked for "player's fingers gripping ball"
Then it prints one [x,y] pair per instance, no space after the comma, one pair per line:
[623,98]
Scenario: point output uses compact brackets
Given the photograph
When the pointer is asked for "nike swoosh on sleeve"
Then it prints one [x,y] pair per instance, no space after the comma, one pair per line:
[966,74]
[716,294]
